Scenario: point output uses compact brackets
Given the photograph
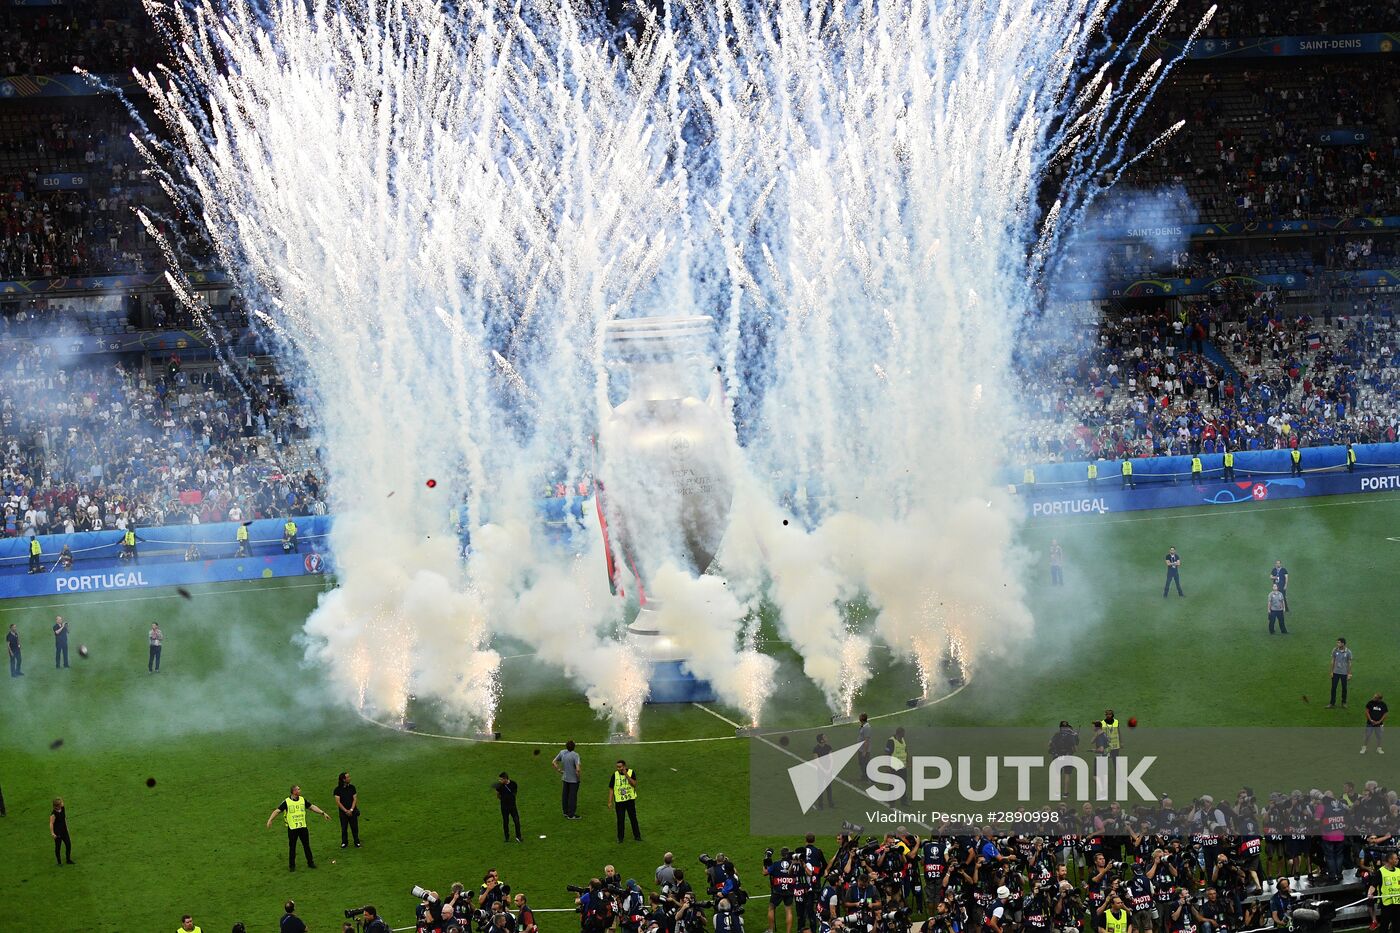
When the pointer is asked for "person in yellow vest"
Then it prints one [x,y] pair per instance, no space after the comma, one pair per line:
[1127,472]
[1028,479]
[1228,475]
[1093,473]
[1115,916]
[129,545]
[187,925]
[1297,457]
[289,537]
[293,811]
[36,551]
[241,535]
[1111,730]
[1390,894]
[1196,470]
[622,798]
[899,751]
[1351,459]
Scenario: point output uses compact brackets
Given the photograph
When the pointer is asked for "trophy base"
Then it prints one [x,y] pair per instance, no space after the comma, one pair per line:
[667,675]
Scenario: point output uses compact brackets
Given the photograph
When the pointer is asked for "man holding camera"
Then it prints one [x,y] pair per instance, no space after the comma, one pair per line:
[506,792]
[370,921]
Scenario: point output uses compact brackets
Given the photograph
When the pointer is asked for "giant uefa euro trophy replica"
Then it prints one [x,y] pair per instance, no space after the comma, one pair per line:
[665,483]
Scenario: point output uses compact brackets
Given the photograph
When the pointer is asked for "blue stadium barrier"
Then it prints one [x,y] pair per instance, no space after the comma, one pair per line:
[1063,489]
[99,579]
[167,541]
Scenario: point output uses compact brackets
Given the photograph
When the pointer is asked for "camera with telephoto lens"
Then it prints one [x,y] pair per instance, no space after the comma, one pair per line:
[576,889]
[851,829]
[354,912]
[422,893]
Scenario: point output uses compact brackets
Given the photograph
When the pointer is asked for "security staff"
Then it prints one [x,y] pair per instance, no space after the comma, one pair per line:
[1297,457]
[1028,479]
[1127,473]
[187,925]
[506,791]
[1111,731]
[294,812]
[899,751]
[1196,470]
[129,546]
[60,642]
[1351,459]
[35,551]
[1115,915]
[1057,564]
[1173,572]
[622,798]
[289,536]
[1228,475]
[241,535]
[1093,473]
[1390,894]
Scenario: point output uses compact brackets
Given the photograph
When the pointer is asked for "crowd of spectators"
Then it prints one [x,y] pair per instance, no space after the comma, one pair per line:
[1277,379]
[102,36]
[109,445]
[1251,148]
[1254,18]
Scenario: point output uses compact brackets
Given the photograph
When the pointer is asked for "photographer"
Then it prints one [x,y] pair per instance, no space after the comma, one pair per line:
[1282,903]
[629,907]
[595,906]
[369,919]
[782,885]
[691,917]
[524,916]
[728,918]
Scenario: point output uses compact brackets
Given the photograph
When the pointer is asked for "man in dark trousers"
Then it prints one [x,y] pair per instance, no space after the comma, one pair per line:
[16,658]
[347,801]
[569,766]
[58,829]
[60,642]
[622,798]
[1341,672]
[1173,573]
[1279,574]
[294,812]
[506,791]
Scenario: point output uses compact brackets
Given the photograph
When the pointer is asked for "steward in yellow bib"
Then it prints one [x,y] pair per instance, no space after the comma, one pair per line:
[1390,893]
[1351,459]
[1110,729]
[241,535]
[289,537]
[897,749]
[35,551]
[1115,916]
[622,798]
[1229,474]
[294,813]
[1093,473]
[1127,473]
[1297,456]
[129,545]
[1028,477]
[1196,469]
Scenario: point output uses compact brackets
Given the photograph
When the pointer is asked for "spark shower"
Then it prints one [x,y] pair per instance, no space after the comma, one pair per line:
[435,214]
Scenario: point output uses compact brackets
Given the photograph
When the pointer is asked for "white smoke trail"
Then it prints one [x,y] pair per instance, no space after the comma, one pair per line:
[435,215]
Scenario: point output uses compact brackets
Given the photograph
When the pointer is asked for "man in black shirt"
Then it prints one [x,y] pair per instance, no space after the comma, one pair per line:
[16,659]
[506,791]
[60,642]
[821,750]
[1279,574]
[1173,573]
[347,801]
[1375,722]
[290,922]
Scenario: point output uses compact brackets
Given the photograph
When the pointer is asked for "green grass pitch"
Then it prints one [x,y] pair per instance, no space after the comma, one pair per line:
[235,717]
